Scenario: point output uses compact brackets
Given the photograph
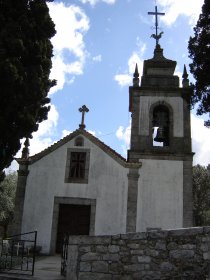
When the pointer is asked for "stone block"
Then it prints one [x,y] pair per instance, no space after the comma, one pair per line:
[181,254]
[204,247]
[113,248]
[151,252]
[157,234]
[133,246]
[126,259]
[101,249]
[89,240]
[160,245]
[137,252]
[206,256]
[122,277]
[116,237]
[134,236]
[186,231]
[100,266]
[72,262]
[94,276]
[133,267]
[85,266]
[119,242]
[188,246]
[172,245]
[116,267]
[84,249]
[206,230]
[167,266]
[111,257]
[124,249]
[91,257]
[206,239]
[144,259]
[134,259]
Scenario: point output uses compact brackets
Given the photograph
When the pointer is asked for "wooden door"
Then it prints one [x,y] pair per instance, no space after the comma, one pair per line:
[72,220]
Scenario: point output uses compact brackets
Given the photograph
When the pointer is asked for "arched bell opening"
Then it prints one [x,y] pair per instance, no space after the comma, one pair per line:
[161,126]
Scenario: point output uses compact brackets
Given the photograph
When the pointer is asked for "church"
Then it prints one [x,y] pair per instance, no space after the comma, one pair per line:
[81,186]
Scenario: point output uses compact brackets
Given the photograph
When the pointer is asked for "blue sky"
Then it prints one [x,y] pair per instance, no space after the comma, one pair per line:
[96,47]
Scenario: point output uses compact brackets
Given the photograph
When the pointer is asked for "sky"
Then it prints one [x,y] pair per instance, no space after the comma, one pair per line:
[96,47]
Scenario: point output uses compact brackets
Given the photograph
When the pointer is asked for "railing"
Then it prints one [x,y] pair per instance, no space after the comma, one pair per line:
[64,256]
[17,253]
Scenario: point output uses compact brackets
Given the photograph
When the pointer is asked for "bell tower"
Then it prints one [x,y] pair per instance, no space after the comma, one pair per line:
[161,141]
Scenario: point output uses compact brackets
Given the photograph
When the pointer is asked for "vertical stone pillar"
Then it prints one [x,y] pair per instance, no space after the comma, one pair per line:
[20,196]
[187,194]
[71,273]
[133,177]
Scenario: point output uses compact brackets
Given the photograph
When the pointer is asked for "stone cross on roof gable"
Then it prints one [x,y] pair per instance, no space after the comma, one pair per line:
[83,110]
[156,36]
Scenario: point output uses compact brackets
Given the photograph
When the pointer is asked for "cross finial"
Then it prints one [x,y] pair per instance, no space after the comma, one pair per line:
[83,110]
[156,36]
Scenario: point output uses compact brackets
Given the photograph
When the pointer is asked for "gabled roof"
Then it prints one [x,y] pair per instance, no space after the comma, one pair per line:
[90,137]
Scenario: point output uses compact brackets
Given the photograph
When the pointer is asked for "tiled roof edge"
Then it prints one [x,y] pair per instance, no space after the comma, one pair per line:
[92,138]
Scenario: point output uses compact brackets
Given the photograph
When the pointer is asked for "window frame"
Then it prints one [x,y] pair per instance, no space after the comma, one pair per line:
[69,179]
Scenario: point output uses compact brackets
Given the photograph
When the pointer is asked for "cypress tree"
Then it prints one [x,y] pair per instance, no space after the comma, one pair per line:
[25,63]
[199,52]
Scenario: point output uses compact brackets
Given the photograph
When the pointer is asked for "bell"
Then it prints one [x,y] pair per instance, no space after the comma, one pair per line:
[160,136]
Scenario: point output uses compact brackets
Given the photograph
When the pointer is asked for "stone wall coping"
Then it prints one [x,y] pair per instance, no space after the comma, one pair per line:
[152,234]
[84,239]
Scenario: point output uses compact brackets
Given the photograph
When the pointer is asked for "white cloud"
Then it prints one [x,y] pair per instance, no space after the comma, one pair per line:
[200,141]
[92,132]
[42,138]
[125,79]
[94,2]
[179,74]
[71,24]
[97,58]
[123,134]
[175,8]
[65,133]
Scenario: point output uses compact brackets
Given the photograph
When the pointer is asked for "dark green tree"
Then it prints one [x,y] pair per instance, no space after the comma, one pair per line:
[7,197]
[201,195]
[25,63]
[199,52]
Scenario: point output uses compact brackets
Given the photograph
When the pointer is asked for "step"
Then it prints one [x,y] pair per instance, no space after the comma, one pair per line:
[6,276]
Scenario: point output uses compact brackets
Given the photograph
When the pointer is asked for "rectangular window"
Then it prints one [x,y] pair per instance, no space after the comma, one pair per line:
[77,166]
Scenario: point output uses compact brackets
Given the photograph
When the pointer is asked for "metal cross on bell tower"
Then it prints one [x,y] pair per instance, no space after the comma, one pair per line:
[156,36]
[83,110]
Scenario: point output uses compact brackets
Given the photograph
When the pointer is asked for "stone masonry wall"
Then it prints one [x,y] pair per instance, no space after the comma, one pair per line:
[156,254]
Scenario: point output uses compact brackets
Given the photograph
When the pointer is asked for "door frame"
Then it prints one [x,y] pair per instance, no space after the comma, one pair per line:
[72,201]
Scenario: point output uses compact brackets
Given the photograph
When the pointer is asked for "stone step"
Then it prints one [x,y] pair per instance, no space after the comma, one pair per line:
[5,276]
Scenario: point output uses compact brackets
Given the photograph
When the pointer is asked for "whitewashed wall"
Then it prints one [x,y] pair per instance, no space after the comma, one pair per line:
[160,195]
[107,184]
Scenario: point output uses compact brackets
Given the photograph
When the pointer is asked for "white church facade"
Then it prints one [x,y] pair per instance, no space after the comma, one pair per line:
[79,185]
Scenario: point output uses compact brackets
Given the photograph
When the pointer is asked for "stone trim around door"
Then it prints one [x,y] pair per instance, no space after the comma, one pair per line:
[72,201]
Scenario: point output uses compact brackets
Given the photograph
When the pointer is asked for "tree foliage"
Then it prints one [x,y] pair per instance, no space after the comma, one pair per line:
[25,62]
[199,52]
[201,195]
[7,197]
